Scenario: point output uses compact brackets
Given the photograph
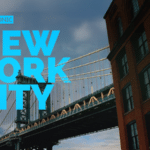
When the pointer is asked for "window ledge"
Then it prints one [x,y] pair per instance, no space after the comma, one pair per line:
[146,101]
[124,76]
[128,112]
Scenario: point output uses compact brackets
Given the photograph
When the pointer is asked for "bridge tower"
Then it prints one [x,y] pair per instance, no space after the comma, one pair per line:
[23,116]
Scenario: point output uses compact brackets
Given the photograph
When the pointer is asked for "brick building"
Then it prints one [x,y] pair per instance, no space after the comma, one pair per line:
[128,26]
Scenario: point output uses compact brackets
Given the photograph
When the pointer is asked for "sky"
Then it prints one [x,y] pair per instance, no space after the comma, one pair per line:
[82,30]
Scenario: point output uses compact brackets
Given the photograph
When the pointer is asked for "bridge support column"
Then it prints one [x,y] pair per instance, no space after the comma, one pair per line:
[17,145]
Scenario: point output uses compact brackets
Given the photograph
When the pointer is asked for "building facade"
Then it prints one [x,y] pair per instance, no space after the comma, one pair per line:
[128,27]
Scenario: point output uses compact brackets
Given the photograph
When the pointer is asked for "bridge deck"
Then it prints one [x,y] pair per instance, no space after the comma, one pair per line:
[91,117]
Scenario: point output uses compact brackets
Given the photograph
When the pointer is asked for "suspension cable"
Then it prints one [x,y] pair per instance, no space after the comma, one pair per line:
[82,56]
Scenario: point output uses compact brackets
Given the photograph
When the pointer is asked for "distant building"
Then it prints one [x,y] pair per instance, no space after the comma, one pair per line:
[128,25]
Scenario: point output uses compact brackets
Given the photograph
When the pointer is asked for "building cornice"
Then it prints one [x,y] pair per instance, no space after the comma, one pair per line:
[111,4]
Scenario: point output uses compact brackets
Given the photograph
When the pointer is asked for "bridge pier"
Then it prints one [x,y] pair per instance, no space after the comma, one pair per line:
[17,145]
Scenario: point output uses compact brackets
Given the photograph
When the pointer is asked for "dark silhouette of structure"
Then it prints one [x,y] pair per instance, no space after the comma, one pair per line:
[128,26]
[94,112]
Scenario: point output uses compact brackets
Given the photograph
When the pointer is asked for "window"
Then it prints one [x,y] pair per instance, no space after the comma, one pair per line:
[147,119]
[145,83]
[120,28]
[122,63]
[135,5]
[140,44]
[133,136]
[127,98]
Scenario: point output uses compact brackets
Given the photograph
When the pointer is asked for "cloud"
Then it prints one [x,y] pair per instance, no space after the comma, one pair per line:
[82,33]
[9,5]
[86,37]
[87,30]
[101,25]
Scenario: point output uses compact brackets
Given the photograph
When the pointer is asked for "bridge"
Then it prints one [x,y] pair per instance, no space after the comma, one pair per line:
[84,106]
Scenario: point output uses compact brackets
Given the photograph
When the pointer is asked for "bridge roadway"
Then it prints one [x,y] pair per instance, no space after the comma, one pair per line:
[86,115]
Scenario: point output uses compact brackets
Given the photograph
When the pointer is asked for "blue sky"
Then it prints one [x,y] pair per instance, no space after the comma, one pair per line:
[81,24]
[82,30]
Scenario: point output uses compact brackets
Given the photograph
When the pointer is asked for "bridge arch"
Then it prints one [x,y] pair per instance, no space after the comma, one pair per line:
[92,99]
[77,106]
[43,120]
[102,95]
[63,112]
[52,117]
[35,124]
[111,91]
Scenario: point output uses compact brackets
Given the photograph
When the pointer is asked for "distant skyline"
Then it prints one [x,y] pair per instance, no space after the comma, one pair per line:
[82,30]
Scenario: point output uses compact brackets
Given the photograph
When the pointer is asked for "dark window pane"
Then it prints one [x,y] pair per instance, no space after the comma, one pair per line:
[144,36]
[147,118]
[135,7]
[125,58]
[134,143]
[146,46]
[132,105]
[127,98]
[148,91]
[127,93]
[127,68]
[120,28]
[130,91]
[133,136]
[129,105]
[135,129]
[149,72]
[146,77]
[137,142]
[122,63]
[142,51]
[139,42]
[132,130]
[145,83]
